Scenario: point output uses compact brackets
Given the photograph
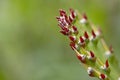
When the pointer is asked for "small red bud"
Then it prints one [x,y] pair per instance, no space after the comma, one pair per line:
[81,58]
[93,33]
[84,16]
[81,39]
[86,35]
[72,13]
[92,54]
[90,72]
[70,19]
[67,20]
[72,38]
[74,28]
[62,12]
[106,64]
[63,32]
[72,45]
[65,29]
[102,76]
[111,49]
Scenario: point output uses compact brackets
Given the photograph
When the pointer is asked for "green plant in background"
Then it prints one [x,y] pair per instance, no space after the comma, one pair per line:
[88,43]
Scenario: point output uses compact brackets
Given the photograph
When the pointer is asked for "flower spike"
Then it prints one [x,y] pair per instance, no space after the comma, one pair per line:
[89,46]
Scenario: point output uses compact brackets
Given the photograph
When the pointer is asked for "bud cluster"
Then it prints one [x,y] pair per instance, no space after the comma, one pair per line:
[87,43]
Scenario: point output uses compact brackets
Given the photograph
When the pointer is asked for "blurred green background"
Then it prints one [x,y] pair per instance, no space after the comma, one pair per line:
[31,47]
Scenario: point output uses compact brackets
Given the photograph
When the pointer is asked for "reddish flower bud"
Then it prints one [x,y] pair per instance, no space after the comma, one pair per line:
[72,38]
[86,35]
[102,76]
[74,28]
[84,16]
[81,39]
[70,19]
[72,13]
[105,67]
[79,57]
[90,72]
[64,33]
[84,19]
[106,64]
[111,49]
[82,58]
[93,34]
[92,54]
[67,20]
[62,12]
[73,45]
[65,29]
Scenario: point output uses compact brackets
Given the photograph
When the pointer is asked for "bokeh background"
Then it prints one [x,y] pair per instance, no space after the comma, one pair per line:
[31,47]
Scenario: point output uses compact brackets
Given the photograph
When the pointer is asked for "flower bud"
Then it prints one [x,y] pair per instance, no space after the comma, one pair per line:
[84,19]
[90,72]
[72,38]
[93,34]
[102,76]
[86,35]
[82,58]
[105,67]
[91,56]
[75,30]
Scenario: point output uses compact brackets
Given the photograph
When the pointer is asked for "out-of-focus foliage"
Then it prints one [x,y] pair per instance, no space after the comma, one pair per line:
[31,47]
